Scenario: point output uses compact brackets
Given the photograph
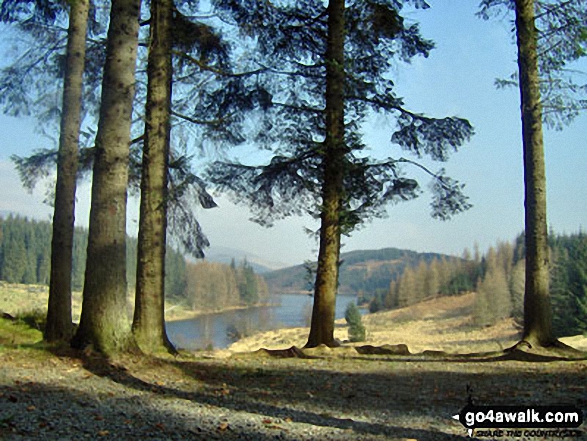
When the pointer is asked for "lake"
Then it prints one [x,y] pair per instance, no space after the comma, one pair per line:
[289,311]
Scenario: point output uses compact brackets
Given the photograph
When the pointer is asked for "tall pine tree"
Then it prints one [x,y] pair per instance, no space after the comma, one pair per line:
[537,309]
[104,322]
[546,43]
[149,320]
[59,319]
[324,68]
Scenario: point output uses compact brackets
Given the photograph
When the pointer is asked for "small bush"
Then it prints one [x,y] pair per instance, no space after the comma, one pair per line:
[353,318]
[234,333]
[15,332]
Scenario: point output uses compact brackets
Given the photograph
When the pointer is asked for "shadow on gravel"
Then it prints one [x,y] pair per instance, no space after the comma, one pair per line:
[400,399]
[240,390]
[72,415]
[37,411]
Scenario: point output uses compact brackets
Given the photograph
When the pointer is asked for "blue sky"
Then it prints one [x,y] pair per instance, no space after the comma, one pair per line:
[457,79]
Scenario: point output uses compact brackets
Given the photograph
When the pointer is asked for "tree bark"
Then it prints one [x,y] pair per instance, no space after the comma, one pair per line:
[323,311]
[59,322]
[149,316]
[537,308]
[104,321]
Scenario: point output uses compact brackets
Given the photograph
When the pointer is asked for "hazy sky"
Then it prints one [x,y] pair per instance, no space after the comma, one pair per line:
[457,79]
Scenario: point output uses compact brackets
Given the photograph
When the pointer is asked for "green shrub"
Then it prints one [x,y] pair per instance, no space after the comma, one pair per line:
[353,318]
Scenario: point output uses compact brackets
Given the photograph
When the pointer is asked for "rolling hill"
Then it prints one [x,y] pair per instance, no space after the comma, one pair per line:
[366,271]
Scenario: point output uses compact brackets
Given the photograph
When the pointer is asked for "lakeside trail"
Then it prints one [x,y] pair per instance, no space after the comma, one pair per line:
[53,393]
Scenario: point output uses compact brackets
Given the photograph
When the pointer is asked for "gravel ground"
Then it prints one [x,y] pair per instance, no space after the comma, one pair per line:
[256,397]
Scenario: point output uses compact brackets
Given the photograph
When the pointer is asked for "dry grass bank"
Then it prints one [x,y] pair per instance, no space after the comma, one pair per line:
[442,324]
[16,299]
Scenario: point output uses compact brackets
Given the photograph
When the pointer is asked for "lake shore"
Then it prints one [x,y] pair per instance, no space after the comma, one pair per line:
[177,312]
[441,324]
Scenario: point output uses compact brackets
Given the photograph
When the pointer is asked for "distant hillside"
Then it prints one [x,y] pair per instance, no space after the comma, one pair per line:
[226,255]
[365,270]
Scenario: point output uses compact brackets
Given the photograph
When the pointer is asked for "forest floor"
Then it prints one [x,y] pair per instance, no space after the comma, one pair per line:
[49,392]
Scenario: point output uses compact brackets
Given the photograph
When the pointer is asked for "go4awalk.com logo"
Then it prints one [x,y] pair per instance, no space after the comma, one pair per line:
[518,421]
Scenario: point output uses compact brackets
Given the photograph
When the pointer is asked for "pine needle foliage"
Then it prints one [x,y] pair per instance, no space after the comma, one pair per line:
[287,43]
[562,42]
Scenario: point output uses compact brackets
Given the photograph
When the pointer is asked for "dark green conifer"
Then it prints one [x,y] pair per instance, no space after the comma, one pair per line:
[353,318]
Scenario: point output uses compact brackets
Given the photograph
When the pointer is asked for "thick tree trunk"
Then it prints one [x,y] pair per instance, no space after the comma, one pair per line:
[104,321]
[149,319]
[537,309]
[59,323]
[322,324]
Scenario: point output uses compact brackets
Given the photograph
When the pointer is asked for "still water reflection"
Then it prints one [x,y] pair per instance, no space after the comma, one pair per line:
[217,330]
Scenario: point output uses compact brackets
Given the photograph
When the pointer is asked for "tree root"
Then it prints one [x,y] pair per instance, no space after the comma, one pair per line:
[521,351]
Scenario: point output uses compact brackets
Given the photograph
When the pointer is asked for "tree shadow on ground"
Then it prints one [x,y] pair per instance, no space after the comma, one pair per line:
[399,399]
[65,413]
[239,390]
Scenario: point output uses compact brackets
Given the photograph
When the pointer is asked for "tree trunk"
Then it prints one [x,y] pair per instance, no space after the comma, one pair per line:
[104,321]
[537,309]
[149,318]
[322,324]
[59,322]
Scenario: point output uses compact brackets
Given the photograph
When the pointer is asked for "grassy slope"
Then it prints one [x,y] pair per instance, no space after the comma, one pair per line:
[363,395]
[17,299]
[438,324]
[442,324]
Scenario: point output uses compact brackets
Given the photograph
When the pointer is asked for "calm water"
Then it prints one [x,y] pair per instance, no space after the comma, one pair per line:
[214,329]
